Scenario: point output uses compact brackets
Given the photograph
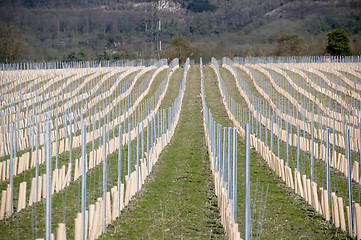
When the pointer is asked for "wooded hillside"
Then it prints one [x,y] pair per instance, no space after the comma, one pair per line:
[120,29]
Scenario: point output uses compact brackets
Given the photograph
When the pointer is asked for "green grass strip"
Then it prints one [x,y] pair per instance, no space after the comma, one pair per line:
[178,200]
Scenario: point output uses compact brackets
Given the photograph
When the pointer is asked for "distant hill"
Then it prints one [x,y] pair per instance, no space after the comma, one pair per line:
[116,29]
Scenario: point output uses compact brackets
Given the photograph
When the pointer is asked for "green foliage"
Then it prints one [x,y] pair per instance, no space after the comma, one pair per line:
[117,55]
[338,43]
[77,56]
[11,43]
[121,55]
[103,56]
[182,49]
[200,6]
[290,45]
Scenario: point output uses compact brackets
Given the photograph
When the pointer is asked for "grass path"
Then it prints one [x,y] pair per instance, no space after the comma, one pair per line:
[178,200]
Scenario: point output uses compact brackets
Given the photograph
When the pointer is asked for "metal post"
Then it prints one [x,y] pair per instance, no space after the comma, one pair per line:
[148,153]
[159,133]
[256,120]
[252,119]
[129,149]
[137,155]
[359,126]
[229,162]
[287,142]
[3,131]
[156,132]
[17,130]
[279,135]
[247,207]
[328,178]
[152,134]
[37,161]
[162,126]
[272,134]
[266,132]
[108,118]
[219,149]
[142,144]
[11,170]
[56,138]
[321,140]
[213,142]
[119,166]
[48,216]
[312,147]
[298,148]
[260,126]
[349,181]
[235,174]
[224,154]
[104,178]
[71,145]
[94,120]
[83,179]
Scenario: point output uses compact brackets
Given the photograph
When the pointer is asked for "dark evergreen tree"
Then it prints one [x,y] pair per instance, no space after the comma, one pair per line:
[338,43]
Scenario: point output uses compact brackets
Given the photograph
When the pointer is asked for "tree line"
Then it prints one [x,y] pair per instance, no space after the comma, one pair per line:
[65,30]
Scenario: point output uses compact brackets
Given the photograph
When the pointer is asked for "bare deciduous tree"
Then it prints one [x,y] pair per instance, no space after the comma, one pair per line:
[11,43]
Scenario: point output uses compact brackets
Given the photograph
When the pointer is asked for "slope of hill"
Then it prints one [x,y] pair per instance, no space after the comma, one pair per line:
[57,30]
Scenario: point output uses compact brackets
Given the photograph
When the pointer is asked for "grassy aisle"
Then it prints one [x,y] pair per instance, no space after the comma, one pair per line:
[178,200]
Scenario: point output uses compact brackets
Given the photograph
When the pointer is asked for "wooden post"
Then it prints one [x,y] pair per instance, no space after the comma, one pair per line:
[91,219]
[61,232]
[3,203]
[305,190]
[32,196]
[108,209]
[326,205]
[114,195]
[358,220]
[341,214]
[335,211]
[22,196]
[127,190]
[78,227]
